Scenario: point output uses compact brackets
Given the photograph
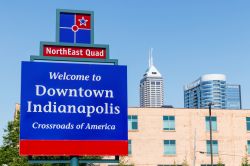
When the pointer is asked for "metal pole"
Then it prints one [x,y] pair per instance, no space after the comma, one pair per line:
[74,161]
[210,129]
[194,147]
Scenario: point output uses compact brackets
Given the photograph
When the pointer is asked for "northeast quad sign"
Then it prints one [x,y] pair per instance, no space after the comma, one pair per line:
[72,102]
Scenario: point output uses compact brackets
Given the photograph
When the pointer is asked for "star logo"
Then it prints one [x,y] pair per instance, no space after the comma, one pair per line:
[83,21]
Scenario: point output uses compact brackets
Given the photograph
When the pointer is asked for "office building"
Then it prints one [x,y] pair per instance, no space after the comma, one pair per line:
[212,88]
[233,96]
[151,87]
[208,88]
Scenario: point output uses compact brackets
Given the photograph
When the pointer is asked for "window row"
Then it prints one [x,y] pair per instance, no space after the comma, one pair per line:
[170,147]
[168,165]
[169,123]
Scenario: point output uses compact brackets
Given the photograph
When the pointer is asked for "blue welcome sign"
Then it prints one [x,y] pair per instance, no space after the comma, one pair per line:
[69,108]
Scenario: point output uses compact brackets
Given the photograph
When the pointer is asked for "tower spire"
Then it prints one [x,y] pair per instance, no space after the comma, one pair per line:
[152,62]
[150,59]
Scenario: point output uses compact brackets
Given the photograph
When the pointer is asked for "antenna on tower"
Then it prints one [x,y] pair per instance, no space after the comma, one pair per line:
[150,60]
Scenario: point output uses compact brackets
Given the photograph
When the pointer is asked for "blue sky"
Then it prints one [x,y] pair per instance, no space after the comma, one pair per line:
[190,38]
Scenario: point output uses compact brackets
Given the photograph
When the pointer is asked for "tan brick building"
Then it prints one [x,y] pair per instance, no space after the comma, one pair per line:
[164,136]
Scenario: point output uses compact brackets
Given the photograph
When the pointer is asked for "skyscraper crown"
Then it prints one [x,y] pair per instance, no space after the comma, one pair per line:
[151,71]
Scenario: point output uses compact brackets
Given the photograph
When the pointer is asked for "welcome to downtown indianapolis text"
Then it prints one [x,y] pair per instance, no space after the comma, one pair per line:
[80,92]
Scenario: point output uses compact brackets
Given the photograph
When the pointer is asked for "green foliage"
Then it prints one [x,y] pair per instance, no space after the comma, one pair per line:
[244,161]
[220,163]
[185,163]
[9,151]
[124,162]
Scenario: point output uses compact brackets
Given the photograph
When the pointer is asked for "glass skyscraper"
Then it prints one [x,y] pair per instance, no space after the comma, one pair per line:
[233,93]
[151,87]
[212,88]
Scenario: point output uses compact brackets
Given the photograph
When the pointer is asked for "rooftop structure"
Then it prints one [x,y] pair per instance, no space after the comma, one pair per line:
[151,86]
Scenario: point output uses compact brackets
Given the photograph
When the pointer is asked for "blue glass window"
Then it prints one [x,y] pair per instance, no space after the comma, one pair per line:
[132,122]
[214,146]
[248,123]
[169,147]
[129,146]
[168,123]
[248,147]
[210,165]
[214,123]
[233,95]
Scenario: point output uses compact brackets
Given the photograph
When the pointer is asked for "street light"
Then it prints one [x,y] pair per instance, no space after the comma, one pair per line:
[210,130]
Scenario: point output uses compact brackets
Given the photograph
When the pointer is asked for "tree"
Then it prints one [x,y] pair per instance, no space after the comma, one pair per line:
[220,163]
[185,163]
[9,151]
[124,162]
[244,161]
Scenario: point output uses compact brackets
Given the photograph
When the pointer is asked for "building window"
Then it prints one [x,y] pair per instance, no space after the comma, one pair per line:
[168,165]
[213,121]
[214,145]
[169,147]
[210,165]
[248,123]
[129,147]
[248,147]
[132,122]
[168,123]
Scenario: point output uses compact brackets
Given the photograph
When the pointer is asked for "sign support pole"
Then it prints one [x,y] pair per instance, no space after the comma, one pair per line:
[74,161]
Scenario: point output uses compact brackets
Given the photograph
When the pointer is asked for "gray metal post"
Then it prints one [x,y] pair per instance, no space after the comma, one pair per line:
[194,147]
[74,161]
[210,129]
